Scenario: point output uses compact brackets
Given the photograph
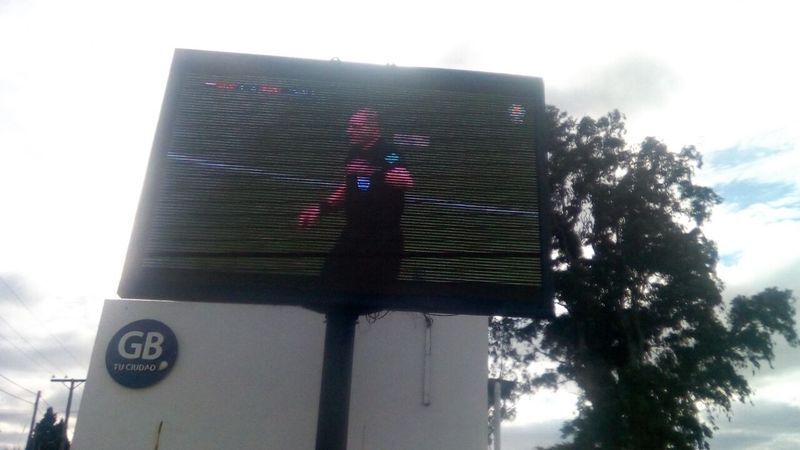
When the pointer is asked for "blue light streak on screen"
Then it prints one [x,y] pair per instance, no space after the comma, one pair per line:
[411,198]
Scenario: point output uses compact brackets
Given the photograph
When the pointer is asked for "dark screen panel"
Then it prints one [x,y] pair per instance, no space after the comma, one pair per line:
[439,198]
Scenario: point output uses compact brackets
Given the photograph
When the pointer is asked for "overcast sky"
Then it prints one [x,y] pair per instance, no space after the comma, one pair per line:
[81,84]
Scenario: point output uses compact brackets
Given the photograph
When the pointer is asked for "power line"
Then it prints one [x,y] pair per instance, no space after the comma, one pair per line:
[44,327]
[31,345]
[18,398]
[25,354]
[16,384]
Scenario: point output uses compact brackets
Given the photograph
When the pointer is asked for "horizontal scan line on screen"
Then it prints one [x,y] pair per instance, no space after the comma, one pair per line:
[322,254]
[316,182]
[412,140]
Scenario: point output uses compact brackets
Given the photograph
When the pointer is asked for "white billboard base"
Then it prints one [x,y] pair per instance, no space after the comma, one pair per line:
[248,377]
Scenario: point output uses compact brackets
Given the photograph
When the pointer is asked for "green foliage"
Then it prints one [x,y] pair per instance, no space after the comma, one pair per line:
[644,333]
[47,435]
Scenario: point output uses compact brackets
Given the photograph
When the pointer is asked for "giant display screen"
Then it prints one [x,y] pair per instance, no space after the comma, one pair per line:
[322,183]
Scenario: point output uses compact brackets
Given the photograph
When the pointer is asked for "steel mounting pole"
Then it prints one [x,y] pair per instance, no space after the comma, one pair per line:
[337,370]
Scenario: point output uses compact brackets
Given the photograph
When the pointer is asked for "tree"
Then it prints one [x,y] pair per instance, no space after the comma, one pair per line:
[644,331]
[47,434]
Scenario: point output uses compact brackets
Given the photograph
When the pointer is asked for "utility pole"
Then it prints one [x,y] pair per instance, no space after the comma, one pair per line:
[33,419]
[499,389]
[73,383]
[497,417]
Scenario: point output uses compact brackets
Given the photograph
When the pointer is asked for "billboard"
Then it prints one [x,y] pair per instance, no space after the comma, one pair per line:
[322,183]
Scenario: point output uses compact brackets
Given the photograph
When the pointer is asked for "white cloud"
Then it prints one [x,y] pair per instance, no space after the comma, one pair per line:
[545,406]
[526,438]
[781,165]
[760,236]
[765,425]
[778,387]
[82,83]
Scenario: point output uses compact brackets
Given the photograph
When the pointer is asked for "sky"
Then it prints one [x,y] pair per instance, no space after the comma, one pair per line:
[81,84]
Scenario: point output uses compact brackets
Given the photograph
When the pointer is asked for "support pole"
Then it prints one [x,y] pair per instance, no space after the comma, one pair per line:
[33,419]
[426,363]
[337,368]
[73,383]
[497,417]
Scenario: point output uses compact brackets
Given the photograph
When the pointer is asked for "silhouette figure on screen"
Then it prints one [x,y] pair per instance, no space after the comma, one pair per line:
[366,256]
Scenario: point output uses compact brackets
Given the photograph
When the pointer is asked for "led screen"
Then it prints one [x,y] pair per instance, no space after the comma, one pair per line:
[279,180]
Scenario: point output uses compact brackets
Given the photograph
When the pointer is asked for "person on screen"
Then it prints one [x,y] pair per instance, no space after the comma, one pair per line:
[367,254]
